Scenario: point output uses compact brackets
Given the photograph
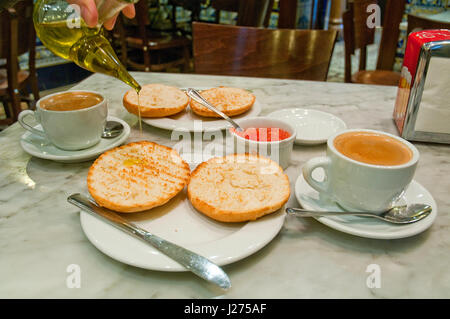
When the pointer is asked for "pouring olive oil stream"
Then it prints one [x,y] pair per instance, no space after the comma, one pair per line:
[62,30]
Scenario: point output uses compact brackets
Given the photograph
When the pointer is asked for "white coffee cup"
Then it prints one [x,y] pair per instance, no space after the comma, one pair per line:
[358,186]
[69,130]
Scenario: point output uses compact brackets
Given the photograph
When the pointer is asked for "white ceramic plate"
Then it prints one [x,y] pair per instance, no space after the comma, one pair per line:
[180,223]
[366,226]
[188,121]
[312,126]
[42,148]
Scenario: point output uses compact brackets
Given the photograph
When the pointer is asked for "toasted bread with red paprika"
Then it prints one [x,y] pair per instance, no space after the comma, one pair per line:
[137,177]
[231,101]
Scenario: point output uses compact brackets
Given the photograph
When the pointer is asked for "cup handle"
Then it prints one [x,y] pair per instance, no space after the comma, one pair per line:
[20,119]
[310,166]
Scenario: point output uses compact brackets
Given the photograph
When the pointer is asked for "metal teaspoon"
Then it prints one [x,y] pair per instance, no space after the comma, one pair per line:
[194,94]
[112,129]
[397,215]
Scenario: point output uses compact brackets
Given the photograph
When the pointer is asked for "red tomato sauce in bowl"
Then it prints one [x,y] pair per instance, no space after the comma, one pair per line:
[263,134]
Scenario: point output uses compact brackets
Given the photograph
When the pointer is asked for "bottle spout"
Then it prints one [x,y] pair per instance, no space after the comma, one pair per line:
[128,79]
[95,54]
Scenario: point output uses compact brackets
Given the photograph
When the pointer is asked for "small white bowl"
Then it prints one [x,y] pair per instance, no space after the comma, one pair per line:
[278,151]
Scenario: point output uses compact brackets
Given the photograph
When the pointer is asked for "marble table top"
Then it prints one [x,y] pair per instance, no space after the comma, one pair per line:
[40,233]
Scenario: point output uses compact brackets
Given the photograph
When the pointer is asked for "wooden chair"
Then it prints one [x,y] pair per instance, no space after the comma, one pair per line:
[17,38]
[393,15]
[257,52]
[153,50]
[416,23]
[251,13]
[357,35]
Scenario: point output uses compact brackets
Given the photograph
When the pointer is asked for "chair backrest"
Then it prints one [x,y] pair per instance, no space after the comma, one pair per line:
[257,52]
[357,33]
[16,29]
[393,15]
[416,23]
[17,36]
[251,13]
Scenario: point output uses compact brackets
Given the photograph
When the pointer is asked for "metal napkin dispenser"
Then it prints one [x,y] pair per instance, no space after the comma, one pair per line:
[422,108]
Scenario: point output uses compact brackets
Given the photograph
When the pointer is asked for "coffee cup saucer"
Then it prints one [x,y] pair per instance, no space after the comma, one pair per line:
[42,148]
[309,198]
[312,126]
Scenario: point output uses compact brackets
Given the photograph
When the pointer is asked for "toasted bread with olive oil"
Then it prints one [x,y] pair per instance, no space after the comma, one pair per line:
[137,176]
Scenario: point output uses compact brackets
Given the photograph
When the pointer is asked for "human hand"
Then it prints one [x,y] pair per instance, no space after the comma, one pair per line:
[89,13]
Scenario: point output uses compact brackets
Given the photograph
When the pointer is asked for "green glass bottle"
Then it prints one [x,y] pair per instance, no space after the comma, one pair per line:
[61,29]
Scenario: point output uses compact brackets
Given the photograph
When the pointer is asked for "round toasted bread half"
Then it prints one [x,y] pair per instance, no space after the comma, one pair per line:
[238,187]
[137,176]
[231,101]
[156,100]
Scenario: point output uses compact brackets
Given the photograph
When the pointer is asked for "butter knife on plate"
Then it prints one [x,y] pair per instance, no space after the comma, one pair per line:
[195,263]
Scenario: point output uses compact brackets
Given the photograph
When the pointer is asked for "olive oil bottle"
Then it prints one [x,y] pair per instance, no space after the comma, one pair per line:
[61,29]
